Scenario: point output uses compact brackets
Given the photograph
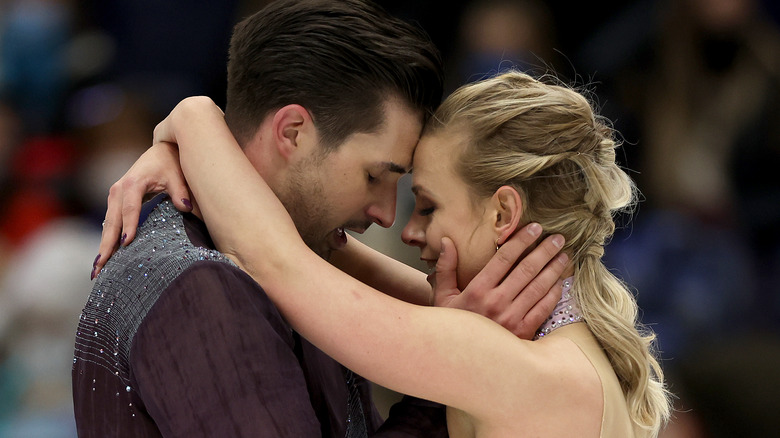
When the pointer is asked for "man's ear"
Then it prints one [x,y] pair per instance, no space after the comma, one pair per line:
[293,131]
[508,208]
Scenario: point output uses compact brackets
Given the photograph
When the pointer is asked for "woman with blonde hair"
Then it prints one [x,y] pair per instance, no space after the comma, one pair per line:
[498,154]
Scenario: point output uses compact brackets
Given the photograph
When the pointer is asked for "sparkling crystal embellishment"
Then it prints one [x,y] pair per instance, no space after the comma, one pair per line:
[130,284]
[567,311]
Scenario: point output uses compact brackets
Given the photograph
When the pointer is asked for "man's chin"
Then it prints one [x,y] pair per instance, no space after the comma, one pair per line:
[325,254]
[335,240]
[322,249]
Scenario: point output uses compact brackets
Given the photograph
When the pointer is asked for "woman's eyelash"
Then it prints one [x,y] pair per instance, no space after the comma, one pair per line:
[425,211]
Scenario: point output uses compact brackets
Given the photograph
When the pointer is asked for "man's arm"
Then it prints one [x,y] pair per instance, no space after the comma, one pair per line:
[214,358]
[383,273]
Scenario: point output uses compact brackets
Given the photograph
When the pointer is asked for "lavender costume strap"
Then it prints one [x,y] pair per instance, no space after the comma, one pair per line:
[567,311]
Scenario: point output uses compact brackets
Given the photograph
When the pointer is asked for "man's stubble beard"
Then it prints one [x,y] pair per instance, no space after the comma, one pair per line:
[303,196]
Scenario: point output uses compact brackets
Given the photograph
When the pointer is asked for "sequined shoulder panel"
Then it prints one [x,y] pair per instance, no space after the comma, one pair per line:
[567,311]
[129,286]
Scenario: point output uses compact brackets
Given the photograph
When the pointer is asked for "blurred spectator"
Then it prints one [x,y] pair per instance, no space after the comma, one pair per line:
[41,297]
[693,280]
[703,98]
[497,35]
[698,82]
[82,85]
[715,104]
[731,385]
[40,172]
[113,127]
[43,289]
[10,137]
[167,50]
[33,75]
[53,219]
[696,88]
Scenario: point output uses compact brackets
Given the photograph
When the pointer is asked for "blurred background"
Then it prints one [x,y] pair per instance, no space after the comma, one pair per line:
[693,86]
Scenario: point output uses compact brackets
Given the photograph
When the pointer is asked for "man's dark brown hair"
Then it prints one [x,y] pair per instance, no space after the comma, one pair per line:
[339,59]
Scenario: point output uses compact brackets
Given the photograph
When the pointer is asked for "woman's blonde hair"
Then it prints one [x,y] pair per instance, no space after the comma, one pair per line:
[547,142]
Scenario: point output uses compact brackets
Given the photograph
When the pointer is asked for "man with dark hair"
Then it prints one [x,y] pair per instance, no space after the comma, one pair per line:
[327,100]
[341,65]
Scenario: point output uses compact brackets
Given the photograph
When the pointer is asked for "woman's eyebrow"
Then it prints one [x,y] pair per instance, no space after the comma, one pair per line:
[394,167]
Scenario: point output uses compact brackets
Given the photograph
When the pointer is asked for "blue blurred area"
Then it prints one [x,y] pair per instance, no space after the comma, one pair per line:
[82,85]
[692,85]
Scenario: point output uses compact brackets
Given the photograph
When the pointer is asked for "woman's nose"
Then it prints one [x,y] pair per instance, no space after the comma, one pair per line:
[413,234]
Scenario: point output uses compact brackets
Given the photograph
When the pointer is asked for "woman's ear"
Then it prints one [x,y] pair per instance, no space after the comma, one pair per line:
[508,207]
[293,130]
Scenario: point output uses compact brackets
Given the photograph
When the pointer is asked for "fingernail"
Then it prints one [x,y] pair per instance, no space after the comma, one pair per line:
[122,240]
[534,229]
[558,241]
[95,262]
[186,203]
[441,251]
[92,274]
[563,258]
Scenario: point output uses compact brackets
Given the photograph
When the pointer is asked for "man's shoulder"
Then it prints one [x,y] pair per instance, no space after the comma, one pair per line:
[149,206]
[206,303]
[162,245]
[135,278]
[217,285]
[214,277]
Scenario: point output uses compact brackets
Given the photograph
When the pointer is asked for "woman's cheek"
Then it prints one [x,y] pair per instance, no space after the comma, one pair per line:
[467,270]
[470,262]
[433,237]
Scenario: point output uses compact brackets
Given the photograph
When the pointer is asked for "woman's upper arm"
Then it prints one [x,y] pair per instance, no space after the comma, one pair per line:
[451,356]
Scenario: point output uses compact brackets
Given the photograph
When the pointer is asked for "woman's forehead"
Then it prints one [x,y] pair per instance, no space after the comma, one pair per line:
[434,159]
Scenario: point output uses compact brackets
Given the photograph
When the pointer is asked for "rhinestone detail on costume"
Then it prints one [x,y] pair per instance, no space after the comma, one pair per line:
[130,284]
[566,312]
[356,420]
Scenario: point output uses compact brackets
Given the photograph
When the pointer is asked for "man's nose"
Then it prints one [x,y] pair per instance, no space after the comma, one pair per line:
[382,212]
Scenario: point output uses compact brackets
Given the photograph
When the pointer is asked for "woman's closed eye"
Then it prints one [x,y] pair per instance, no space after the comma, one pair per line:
[426,211]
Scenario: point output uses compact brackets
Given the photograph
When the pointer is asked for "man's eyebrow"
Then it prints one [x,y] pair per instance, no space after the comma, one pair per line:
[395,168]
